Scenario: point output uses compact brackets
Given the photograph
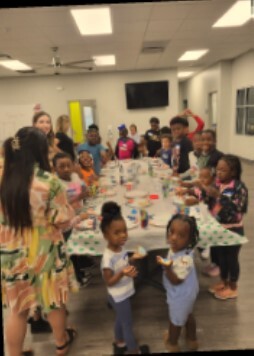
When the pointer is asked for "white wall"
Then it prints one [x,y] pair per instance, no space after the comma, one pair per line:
[242,76]
[106,88]
[225,78]
[197,88]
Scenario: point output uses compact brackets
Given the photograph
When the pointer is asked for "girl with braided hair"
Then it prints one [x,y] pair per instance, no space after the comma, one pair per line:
[180,281]
[118,275]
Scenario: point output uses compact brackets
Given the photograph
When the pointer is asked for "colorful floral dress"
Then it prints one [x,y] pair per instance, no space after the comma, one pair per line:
[35,269]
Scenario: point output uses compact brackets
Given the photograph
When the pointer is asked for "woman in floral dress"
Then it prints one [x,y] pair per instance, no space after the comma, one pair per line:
[35,270]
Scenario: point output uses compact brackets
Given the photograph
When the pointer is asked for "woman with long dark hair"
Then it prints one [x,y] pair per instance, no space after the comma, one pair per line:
[35,270]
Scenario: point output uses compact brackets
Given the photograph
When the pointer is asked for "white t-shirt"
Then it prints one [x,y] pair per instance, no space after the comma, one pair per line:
[116,261]
[135,137]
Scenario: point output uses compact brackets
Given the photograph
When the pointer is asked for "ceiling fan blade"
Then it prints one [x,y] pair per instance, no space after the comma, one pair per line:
[77,67]
[79,62]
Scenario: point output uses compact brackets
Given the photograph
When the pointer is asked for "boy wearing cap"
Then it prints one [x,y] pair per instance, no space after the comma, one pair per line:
[126,147]
[152,137]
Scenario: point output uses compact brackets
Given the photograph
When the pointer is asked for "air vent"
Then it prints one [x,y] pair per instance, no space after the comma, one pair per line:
[151,47]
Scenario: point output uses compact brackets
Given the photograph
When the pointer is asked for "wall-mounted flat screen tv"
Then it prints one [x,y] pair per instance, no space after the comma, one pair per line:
[147,94]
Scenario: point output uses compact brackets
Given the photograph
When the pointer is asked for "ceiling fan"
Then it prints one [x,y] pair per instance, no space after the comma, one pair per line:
[57,64]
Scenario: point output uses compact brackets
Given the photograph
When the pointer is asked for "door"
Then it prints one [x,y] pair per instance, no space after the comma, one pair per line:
[82,114]
[213,105]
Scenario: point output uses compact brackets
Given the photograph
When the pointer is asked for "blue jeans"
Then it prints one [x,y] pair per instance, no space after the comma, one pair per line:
[123,323]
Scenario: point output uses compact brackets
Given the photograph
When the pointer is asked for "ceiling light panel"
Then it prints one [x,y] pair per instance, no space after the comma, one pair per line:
[237,15]
[14,65]
[93,21]
[184,74]
[107,60]
[193,55]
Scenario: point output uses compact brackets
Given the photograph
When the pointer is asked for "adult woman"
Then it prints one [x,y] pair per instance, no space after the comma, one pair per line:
[65,143]
[43,122]
[35,270]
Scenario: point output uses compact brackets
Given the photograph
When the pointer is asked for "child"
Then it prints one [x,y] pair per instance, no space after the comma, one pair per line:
[87,170]
[134,133]
[200,123]
[76,193]
[152,137]
[118,276]
[75,187]
[210,155]
[180,281]
[181,145]
[126,147]
[92,145]
[231,202]
[199,193]
[193,156]
[165,152]
[142,148]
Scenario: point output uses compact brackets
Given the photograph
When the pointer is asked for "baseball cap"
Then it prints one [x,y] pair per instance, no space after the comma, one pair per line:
[121,127]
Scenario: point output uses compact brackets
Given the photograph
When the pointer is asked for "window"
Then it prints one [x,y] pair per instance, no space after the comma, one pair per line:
[245,111]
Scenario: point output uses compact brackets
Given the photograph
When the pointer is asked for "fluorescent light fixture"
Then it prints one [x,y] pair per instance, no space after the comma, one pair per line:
[237,15]
[193,55]
[108,60]
[14,64]
[93,21]
[184,74]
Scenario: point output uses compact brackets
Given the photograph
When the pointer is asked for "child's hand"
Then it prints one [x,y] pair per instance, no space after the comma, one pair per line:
[137,256]
[130,271]
[163,261]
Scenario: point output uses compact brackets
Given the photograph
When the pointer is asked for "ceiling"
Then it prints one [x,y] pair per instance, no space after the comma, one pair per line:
[28,34]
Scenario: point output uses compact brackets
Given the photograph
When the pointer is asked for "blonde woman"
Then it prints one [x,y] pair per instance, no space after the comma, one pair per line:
[65,142]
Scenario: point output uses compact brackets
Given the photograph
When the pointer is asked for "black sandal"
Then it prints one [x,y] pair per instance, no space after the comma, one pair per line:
[71,334]
[28,353]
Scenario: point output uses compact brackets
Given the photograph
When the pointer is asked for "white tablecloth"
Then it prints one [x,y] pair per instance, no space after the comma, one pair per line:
[153,237]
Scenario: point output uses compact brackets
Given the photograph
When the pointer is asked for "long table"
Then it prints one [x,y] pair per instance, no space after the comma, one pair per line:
[91,242]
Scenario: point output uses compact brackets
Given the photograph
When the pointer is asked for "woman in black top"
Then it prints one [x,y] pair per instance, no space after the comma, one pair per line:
[65,142]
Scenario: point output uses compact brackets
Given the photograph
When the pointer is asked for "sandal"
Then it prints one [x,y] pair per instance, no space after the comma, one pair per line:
[27,353]
[72,333]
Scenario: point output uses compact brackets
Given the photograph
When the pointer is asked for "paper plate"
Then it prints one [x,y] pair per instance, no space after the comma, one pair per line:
[160,220]
[107,193]
[139,203]
[85,224]
[136,194]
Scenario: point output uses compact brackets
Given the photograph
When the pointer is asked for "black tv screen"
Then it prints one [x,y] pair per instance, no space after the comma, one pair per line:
[146,94]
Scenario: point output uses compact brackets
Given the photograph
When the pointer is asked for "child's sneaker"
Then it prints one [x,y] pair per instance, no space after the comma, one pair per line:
[192,344]
[216,287]
[119,350]
[169,347]
[144,349]
[226,293]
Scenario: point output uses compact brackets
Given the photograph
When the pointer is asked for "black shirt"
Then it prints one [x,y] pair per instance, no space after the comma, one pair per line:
[65,144]
[182,161]
[153,141]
